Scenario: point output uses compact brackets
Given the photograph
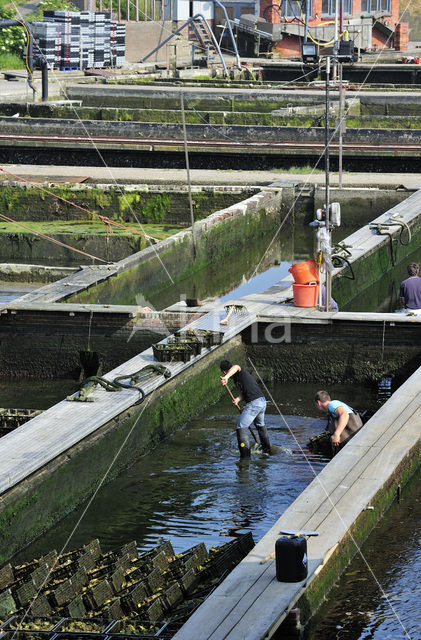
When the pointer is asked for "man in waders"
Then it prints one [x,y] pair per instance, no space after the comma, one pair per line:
[253,412]
[343,422]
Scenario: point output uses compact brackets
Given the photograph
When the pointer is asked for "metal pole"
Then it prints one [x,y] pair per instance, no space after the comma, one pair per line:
[340,125]
[44,80]
[328,276]
[186,153]
[306,21]
[327,138]
[228,24]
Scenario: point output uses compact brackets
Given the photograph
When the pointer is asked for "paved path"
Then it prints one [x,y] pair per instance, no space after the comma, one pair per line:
[207,177]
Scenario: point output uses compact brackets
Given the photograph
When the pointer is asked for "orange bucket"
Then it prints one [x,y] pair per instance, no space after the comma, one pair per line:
[305,295]
[304,272]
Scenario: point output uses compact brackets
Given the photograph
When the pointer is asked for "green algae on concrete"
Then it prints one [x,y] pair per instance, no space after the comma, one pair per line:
[147,205]
[373,265]
[343,358]
[94,238]
[217,244]
[30,508]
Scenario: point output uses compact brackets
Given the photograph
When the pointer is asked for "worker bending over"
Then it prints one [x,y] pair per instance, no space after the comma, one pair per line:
[343,422]
[253,412]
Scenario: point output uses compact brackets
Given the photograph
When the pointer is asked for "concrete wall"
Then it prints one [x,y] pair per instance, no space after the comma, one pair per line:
[143,37]
[214,132]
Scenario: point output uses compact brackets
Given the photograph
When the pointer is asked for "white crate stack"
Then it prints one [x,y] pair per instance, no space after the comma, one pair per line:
[87,42]
[47,42]
[117,44]
[80,39]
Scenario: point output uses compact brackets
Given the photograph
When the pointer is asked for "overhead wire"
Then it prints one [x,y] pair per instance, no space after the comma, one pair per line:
[327,493]
[288,213]
[49,238]
[118,187]
[105,219]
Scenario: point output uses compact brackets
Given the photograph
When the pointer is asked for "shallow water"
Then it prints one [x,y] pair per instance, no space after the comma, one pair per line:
[379,594]
[192,489]
[15,290]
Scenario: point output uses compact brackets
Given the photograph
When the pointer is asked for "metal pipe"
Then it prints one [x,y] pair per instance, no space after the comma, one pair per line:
[186,153]
[340,125]
[327,168]
[306,21]
[234,44]
[190,21]
[44,81]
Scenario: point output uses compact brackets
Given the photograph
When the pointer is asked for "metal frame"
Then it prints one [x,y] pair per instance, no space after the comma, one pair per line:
[190,21]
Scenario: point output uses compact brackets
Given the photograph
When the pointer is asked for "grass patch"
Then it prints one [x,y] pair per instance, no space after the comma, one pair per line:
[87,228]
[300,170]
[11,61]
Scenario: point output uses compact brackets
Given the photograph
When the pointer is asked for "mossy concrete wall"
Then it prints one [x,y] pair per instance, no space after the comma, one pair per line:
[33,506]
[174,131]
[220,240]
[77,343]
[31,248]
[375,115]
[154,205]
[346,351]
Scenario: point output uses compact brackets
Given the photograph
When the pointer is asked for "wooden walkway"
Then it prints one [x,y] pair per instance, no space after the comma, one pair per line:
[250,604]
[40,440]
[86,277]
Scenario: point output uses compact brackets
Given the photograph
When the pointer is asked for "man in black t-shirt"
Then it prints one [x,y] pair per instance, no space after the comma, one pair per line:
[253,412]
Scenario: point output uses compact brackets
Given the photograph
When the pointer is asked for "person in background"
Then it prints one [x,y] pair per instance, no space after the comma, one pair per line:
[253,412]
[343,422]
[410,289]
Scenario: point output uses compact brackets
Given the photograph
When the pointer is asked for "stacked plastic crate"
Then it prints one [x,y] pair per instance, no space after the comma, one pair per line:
[72,40]
[47,42]
[99,40]
[107,35]
[117,44]
[87,43]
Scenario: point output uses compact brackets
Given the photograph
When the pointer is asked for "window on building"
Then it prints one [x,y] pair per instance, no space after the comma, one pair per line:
[328,7]
[293,8]
[371,6]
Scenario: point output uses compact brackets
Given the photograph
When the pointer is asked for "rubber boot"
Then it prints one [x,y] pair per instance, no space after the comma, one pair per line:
[264,439]
[243,443]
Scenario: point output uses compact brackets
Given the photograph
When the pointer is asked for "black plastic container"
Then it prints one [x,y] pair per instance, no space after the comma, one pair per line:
[291,558]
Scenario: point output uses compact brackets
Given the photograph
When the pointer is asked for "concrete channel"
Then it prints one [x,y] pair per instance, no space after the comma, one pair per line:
[53,461]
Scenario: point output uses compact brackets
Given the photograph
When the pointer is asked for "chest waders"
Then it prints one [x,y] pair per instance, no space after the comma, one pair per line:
[354,424]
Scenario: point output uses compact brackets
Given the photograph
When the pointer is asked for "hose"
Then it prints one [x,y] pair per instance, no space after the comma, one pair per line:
[381,230]
[338,261]
[90,383]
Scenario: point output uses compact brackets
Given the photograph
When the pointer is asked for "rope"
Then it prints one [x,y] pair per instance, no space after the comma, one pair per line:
[54,240]
[73,204]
